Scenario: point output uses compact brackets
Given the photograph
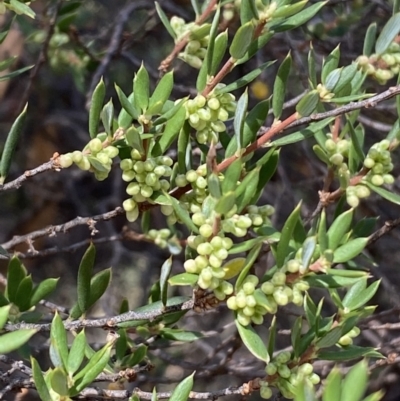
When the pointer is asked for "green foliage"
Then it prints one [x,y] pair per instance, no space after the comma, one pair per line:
[210,200]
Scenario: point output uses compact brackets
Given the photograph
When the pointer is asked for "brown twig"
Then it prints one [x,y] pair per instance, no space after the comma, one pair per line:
[62,228]
[115,41]
[41,59]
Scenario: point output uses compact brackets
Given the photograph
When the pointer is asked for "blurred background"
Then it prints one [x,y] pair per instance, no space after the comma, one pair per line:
[58,121]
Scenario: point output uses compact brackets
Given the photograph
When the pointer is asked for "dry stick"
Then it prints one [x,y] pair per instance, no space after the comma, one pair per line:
[62,228]
[41,59]
[163,68]
[114,45]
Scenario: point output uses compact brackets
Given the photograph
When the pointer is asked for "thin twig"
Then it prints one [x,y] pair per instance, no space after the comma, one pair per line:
[62,228]
[115,42]
[41,59]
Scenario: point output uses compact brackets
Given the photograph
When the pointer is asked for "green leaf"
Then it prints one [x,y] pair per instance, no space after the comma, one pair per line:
[240,115]
[233,267]
[247,188]
[180,335]
[330,64]
[170,132]
[280,86]
[339,228]
[59,381]
[184,279]
[245,79]
[127,103]
[161,94]
[165,272]
[12,341]
[225,203]
[331,338]
[305,133]
[15,73]
[256,45]
[76,353]
[329,281]
[183,214]
[84,278]
[308,103]
[7,62]
[107,116]
[286,236]
[369,40]
[271,336]
[141,84]
[390,196]
[250,259]
[98,285]
[220,46]
[58,342]
[95,366]
[43,289]
[4,310]
[349,250]
[308,251]
[242,40]
[95,108]
[248,11]
[24,293]
[355,383]
[357,300]
[21,8]
[183,389]
[39,381]
[232,176]
[388,34]
[11,144]
[164,19]
[211,44]
[312,73]
[299,19]
[214,186]
[332,384]
[134,139]
[253,342]
[15,274]
[295,336]
[350,352]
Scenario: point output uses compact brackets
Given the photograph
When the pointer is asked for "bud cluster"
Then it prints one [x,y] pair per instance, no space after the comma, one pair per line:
[160,237]
[95,157]
[207,114]
[379,163]
[194,199]
[245,303]
[384,66]
[287,378]
[144,177]
[196,49]
[337,150]
[211,255]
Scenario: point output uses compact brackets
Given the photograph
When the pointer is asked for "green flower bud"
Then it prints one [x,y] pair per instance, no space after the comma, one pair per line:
[133,188]
[190,266]
[280,297]
[129,205]
[138,166]
[248,288]
[227,243]
[65,160]
[330,145]
[223,115]
[217,243]
[221,253]
[227,288]
[279,278]
[377,180]
[284,371]
[306,369]
[77,156]
[257,318]
[314,379]
[139,198]
[248,311]
[362,191]
[213,103]
[369,162]
[244,222]
[267,288]
[126,164]
[132,215]
[271,369]
[167,210]
[181,181]
[251,301]
[206,274]
[200,101]
[164,185]
[343,146]
[204,249]
[283,357]
[135,155]
[201,182]
[151,179]
[149,165]
[206,230]
[336,159]
[293,266]
[243,319]
[241,299]
[302,285]
[354,332]
[146,191]
[353,201]
[95,145]
[231,303]
[159,171]
[198,219]
[345,340]
[204,114]
[84,164]
[215,262]
[256,220]
[193,46]
[218,126]
[388,179]
[201,262]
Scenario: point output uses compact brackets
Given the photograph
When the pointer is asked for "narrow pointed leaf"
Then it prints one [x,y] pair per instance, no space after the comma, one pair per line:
[96,106]
[253,342]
